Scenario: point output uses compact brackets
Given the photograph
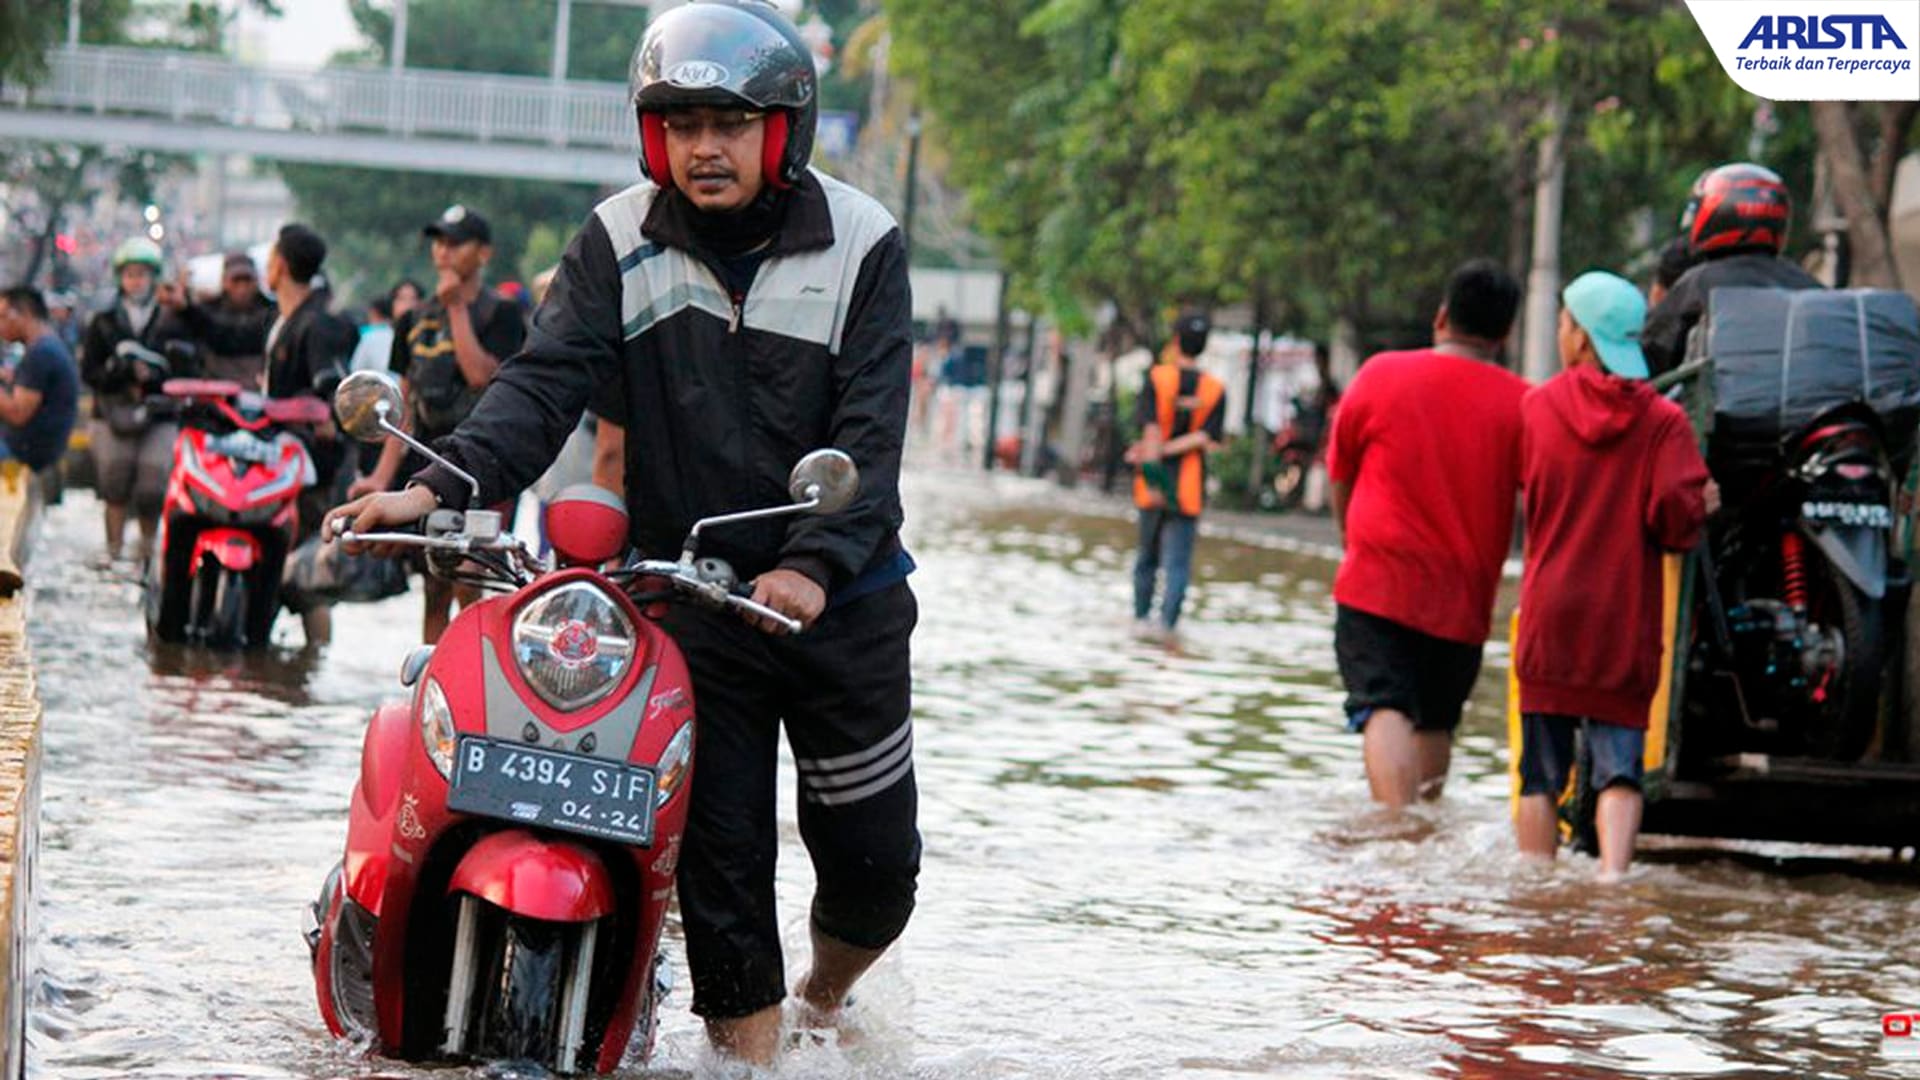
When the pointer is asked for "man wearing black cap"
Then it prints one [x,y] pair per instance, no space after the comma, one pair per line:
[446,351]
[1181,417]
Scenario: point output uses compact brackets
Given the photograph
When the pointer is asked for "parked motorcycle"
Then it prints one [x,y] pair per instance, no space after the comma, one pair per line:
[231,513]
[1295,450]
[516,825]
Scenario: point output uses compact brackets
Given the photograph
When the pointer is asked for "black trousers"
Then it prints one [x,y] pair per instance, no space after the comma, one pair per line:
[844,692]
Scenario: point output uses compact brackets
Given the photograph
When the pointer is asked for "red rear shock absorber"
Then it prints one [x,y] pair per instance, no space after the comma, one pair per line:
[1793,570]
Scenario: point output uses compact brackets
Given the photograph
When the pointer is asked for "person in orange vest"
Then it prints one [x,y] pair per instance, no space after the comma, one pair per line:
[1180,415]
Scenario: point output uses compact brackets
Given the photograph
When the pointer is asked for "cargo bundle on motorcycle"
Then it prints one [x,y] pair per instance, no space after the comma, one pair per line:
[1786,709]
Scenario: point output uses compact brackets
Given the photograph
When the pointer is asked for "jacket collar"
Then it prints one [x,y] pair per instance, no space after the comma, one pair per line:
[807,226]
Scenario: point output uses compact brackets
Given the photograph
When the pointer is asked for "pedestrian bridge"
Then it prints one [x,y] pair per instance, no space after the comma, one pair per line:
[196,103]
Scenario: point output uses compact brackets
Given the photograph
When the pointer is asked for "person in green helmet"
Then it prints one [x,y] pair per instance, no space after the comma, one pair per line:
[132,434]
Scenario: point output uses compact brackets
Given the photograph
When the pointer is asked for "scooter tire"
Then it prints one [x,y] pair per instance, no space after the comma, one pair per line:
[1846,730]
[226,625]
[518,1018]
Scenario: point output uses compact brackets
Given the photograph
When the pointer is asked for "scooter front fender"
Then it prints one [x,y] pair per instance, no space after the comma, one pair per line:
[528,875]
[235,549]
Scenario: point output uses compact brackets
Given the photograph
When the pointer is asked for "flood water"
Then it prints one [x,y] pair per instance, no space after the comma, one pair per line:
[1138,863]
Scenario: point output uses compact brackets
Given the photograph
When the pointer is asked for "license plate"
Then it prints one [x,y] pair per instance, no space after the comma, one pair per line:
[605,799]
[1862,514]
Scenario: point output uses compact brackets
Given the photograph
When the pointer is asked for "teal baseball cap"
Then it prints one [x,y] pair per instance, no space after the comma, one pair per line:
[1612,312]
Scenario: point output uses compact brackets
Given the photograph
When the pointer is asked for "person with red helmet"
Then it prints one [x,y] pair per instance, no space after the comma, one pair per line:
[732,312]
[1735,227]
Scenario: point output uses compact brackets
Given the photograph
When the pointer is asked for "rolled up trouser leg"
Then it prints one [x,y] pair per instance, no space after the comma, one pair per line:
[115,459]
[153,463]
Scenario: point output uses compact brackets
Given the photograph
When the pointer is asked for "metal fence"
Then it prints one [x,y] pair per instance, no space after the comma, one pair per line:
[193,87]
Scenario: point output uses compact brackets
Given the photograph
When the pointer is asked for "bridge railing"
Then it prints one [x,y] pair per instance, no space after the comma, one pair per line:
[209,89]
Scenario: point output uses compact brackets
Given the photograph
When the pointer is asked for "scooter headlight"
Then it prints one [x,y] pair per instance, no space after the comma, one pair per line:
[573,644]
[436,726]
[676,764]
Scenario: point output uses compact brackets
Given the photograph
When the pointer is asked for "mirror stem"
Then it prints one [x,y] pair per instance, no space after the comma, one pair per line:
[436,458]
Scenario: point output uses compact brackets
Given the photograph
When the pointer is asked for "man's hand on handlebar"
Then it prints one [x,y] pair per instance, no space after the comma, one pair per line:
[379,512]
[790,593]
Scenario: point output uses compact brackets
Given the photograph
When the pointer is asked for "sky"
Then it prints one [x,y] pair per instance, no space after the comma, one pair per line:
[304,36]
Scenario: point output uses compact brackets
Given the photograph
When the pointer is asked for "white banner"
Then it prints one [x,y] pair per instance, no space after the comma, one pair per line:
[1833,50]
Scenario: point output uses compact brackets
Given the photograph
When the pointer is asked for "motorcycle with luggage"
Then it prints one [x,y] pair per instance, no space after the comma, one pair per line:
[513,835]
[1786,710]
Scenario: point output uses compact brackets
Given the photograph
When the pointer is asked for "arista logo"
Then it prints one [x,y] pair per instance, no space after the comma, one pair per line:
[1822,32]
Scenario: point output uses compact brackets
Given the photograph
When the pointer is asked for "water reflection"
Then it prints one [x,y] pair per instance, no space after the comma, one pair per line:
[1140,863]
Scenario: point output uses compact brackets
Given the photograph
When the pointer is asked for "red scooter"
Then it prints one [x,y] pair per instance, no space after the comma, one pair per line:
[231,513]
[515,829]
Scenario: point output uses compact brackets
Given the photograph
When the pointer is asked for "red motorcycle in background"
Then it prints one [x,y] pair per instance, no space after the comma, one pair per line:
[231,513]
[514,832]
[1296,449]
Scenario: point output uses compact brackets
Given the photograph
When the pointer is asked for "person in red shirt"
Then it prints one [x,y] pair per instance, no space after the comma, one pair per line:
[1425,464]
[1613,478]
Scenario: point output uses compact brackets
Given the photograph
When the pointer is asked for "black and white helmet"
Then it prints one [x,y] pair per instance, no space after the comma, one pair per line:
[727,54]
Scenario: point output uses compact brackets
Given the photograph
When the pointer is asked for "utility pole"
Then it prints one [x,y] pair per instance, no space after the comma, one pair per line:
[73,24]
[1027,449]
[913,182]
[397,50]
[1256,473]
[562,35]
[1543,281]
[997,369]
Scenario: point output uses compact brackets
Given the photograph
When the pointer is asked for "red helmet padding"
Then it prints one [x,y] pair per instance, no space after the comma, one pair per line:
[653,147]
[773,153]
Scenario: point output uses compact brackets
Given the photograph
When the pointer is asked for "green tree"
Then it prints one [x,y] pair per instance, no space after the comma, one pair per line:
[373,217]
[1329,162]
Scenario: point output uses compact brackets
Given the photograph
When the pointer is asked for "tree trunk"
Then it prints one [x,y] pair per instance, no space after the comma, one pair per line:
[1896,120]
[1872,252]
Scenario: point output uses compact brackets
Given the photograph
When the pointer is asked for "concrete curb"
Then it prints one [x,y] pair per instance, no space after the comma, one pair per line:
[19,777]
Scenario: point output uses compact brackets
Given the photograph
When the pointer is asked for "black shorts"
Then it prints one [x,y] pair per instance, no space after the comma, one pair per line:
[843,692]
[1389,666]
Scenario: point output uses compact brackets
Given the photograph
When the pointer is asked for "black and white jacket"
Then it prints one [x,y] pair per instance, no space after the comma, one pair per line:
[720,394]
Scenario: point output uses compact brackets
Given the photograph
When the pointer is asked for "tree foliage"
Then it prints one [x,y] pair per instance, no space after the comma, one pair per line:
[373,217]
[1326,161]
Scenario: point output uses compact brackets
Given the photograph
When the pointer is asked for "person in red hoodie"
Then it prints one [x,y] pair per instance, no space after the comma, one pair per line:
[1425,464]
[1613,478]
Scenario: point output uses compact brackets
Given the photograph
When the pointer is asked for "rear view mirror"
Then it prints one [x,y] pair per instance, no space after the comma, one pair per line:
[827,478]
[364,400]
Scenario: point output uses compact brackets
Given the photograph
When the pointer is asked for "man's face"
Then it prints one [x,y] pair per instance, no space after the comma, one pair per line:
[276,270]
[136,280]
[10,329]
[714,155]
[466,259]
[240,288]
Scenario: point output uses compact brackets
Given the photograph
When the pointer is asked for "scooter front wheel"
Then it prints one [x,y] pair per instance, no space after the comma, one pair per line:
[518,990]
